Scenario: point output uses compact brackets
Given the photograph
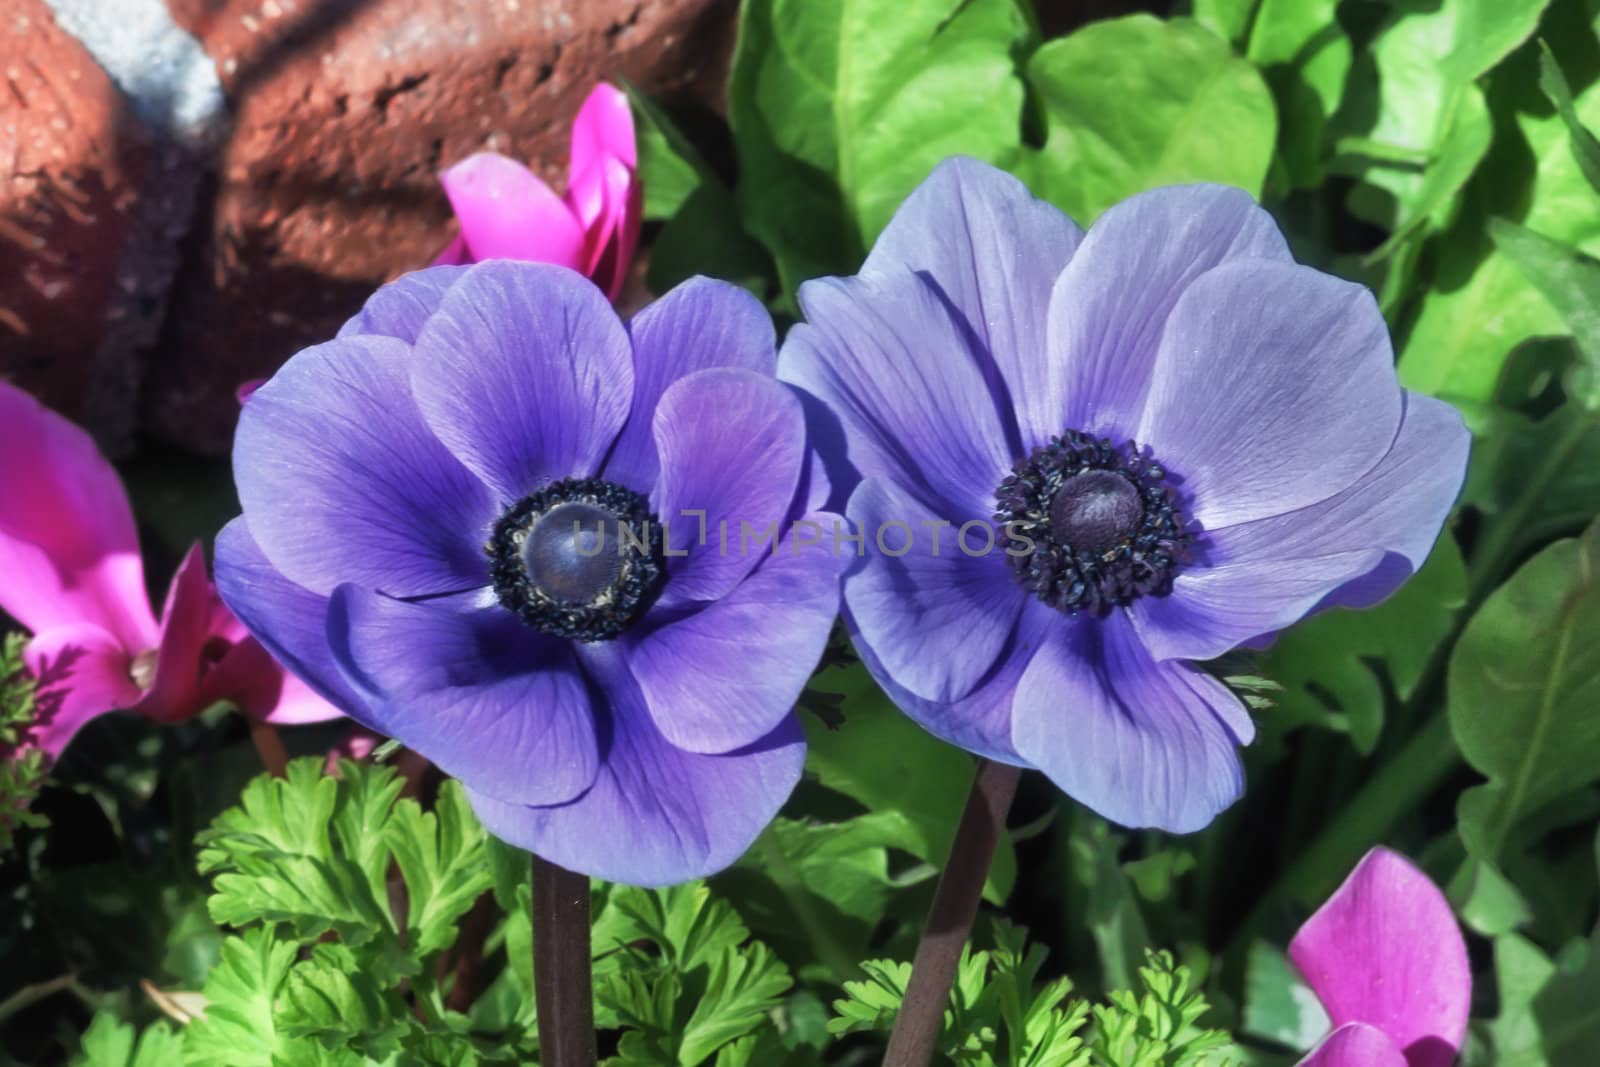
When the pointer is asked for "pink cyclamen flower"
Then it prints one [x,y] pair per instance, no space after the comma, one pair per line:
[71,574]
[1386,959]
[507,212]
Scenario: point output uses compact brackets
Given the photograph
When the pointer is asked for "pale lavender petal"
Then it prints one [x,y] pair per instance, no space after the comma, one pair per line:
[1359,545]
[507,212]
[656,815]
[288,619]
[1139,742]
[400,308]
[699,324]
[1355,1045]
[525,373]
[995,252]
[732,446]
[1274,389]
[1385,950]
[1111,303]
[729,673]
[935,616]
[908,386]
[491,701]
[343,482]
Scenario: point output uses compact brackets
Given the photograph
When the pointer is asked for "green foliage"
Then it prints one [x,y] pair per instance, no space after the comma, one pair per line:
[1524,682]
[1549,1010]
[110,1042]
[22,774]
[1000,1015]
[1278,1005]
[1137,102]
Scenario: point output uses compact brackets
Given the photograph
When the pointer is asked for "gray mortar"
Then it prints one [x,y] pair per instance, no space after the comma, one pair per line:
[173,87]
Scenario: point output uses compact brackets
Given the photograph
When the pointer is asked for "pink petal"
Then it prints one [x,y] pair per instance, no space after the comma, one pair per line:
[601,134]
[455,254]
[1355,1045]
[1385,950]
[246,389]
[82,673]
[249,678]
[506,212]
[615,232]
[68,548]
[185,633]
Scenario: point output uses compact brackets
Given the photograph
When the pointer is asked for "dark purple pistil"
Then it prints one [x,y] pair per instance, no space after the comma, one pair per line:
[1095,510]
[573,553]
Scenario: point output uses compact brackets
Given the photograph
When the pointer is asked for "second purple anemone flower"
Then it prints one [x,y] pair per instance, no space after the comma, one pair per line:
[1085,463]
[477,521]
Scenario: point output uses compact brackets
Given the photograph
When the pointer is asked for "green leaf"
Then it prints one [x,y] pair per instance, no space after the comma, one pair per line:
[329,997]
[884,760]
[1481,306]
[111,1043]
[705,237]
[1305,57]
[1585,148]
[1110,909]
[1328,664]
[840,108]
[1568,279]
[441,855]
[1228,19]
[1524,682]
[1549,1013]
[237,1029]
[743,986]
[1278,1005]
[670,169]
[1486,900]
[1137,102]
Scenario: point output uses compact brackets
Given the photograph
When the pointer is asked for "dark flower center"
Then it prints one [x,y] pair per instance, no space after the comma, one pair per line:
[580,558]
[1092,525]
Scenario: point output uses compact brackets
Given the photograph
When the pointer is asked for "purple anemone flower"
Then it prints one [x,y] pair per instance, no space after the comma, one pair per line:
[1386,958]
[1084,463]
[477,520]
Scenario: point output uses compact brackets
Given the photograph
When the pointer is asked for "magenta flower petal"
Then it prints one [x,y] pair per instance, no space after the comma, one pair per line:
[1266,574]
[506,212]
[68,548]
[507,709]
[527,376]
[732,445]
[83,673]
[414,523]
[657,814]
[937,616]
[185,627]
[728,675]
[700,324]
[1096,713]
[966,227]
[1385,950]
[1109,307]
[866,352]
[1355,1045]
[601,133]
[612,236]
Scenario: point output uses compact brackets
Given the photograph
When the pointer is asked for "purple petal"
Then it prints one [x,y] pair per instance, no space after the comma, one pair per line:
[1110,305]
[525,373]
[1385,950]
[1262,576]
[656,815]
[907,386]
[1141,743]
[699,324]
[995,252]
[934,615]
[506,212]
[1274,389]
[1355,1045]
[489,700]
[288,619]
[732,445]
[400,308]
[727,675]
[342,482]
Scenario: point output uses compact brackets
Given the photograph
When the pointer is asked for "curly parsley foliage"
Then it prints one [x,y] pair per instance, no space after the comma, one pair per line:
[1000,1016]
[22,774]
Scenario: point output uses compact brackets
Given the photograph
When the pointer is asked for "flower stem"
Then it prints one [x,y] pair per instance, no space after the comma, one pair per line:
[562,982]
[955,905]
[270,747]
